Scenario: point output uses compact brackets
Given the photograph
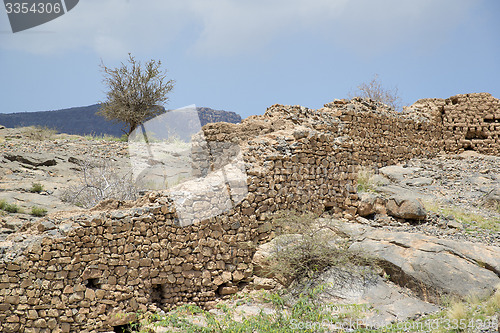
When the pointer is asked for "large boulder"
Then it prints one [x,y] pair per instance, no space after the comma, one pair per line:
[406,208]
[397,173]
[371,203]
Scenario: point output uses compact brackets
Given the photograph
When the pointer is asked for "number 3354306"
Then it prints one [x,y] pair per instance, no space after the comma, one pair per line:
[35,8]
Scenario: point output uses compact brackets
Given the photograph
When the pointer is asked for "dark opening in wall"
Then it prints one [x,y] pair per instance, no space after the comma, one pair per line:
[478,135]
[491,121]
[93,284]
[127,328]
[329,208]
[454,100]
[157,294]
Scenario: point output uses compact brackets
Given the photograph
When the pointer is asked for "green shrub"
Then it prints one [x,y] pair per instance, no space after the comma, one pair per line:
[9,208]
[36,188]
[38,211]
[305,309]
[12,208]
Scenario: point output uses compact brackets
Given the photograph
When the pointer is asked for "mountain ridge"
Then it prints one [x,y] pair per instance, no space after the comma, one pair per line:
[83,120]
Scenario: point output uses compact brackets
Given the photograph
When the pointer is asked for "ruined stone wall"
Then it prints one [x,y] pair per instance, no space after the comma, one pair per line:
[469,121]
[91,272]
[381,136]
[108,266]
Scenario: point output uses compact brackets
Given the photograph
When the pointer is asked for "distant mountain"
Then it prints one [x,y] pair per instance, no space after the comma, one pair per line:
[84,120]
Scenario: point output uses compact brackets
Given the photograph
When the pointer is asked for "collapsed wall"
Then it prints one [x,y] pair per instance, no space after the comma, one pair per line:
[468,121]
[93,272]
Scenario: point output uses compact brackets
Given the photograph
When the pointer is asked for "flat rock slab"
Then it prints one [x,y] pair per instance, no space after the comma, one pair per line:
[397,173]
[420,181]
[389,303]
[35,160]
[430,265]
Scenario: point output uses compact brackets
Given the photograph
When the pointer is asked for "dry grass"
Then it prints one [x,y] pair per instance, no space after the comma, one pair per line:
[457,311]
[365,180]
[39,133]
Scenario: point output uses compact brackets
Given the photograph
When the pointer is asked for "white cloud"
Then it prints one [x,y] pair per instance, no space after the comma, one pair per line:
[366,26]
[231,27]
[106,26]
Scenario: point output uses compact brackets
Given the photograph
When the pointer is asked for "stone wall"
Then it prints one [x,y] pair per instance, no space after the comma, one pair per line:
[469,122]
[105,266]
[91,272]
[381,136]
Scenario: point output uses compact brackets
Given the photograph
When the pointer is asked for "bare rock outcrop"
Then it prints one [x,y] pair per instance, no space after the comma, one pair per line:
[429,265]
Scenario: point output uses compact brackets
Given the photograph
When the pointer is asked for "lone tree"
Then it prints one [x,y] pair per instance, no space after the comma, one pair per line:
[135,92]
[375,91]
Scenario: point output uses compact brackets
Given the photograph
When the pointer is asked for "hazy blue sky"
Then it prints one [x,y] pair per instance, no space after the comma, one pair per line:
[245,55]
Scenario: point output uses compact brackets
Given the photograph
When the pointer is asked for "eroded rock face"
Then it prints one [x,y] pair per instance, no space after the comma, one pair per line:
[429,265]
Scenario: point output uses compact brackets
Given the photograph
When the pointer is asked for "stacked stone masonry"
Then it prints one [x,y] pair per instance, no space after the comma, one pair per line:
[92,272]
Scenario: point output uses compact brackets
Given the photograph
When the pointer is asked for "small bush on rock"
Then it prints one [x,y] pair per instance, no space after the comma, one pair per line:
[36,188]
[9,208]
[38,211]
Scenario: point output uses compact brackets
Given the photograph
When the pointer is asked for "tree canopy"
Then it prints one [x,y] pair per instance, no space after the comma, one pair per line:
[135,93]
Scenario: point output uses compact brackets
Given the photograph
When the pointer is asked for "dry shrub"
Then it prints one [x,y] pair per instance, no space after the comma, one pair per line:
[375,91]
[365,180]
[99,181]
[39,133]
[317,248]
[457,311]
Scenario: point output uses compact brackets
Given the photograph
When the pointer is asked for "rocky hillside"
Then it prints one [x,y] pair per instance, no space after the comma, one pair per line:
[84,120]
[411,239]
[441,211]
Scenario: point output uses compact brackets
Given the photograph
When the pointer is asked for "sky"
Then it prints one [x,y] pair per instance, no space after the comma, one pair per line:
[244,56]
